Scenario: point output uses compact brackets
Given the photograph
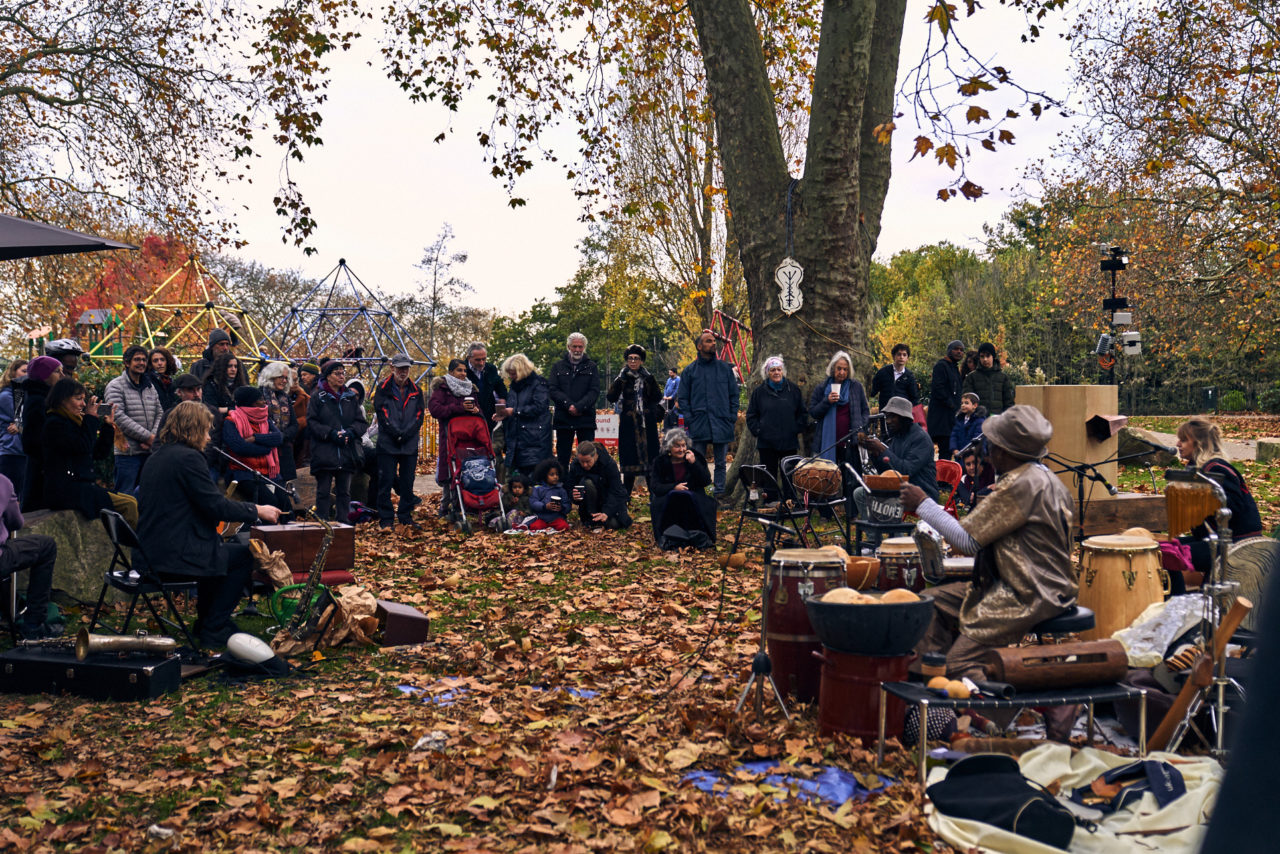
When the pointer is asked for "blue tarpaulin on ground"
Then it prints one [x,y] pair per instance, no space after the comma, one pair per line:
[831,784]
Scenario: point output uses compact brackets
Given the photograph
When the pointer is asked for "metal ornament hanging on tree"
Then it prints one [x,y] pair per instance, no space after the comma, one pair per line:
[789,274]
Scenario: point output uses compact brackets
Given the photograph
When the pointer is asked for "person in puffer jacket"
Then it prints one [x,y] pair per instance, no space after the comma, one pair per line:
[550,500]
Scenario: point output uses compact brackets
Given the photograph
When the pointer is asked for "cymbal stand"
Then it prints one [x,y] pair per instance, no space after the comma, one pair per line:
[761,665]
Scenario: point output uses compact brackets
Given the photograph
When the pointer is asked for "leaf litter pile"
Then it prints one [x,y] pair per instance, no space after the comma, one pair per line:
[570,686]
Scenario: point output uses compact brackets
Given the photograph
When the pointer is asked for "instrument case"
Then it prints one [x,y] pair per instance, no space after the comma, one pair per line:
[101,676]
[401,624]
[301,541]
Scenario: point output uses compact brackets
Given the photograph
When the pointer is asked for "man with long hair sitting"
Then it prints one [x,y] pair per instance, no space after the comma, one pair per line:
[180,509]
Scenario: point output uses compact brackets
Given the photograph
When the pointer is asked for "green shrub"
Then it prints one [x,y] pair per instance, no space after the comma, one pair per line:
[1234,401]
[1269,398]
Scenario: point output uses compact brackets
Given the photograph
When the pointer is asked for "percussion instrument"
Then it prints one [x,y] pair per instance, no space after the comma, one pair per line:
[850,697]
[957,568]
[1188,504]
[884,506]
[1061,665]
[900,564]
[1249,564]
[861,572]
[1119,577]
[795,574]
[818,477]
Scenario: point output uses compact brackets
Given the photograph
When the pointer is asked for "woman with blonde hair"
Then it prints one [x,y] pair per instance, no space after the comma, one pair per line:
[527,414]
[179,512]
[1200,445]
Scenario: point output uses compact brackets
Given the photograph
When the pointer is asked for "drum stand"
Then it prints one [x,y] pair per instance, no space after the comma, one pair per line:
[1215,589]
[761,666]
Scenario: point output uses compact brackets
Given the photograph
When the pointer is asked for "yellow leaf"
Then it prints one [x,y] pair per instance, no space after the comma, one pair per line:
[445,829]
[360,844]
[655,783]
[484,802]
[681,757]
[658,841]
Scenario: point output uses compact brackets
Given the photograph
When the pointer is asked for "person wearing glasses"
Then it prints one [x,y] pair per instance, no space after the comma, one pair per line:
[335,422]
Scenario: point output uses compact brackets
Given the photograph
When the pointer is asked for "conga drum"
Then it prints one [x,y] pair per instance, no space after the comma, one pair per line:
[1119,579]
[900,564]
[818,477]
[795,574]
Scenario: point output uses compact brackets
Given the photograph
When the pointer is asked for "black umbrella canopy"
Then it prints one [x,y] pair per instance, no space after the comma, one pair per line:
[22,238]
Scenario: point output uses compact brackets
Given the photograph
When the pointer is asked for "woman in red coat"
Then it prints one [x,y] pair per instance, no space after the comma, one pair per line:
[451,395]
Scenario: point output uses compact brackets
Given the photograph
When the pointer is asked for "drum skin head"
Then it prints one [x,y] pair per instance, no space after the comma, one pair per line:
[1119,542]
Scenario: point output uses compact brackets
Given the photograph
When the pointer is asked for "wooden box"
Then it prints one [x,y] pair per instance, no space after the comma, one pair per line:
[301,541]
[401,624]
[1069,408]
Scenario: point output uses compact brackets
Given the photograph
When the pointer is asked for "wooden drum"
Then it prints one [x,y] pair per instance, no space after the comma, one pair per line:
[817,476]
[1119,578]
[795,574]
[900,564]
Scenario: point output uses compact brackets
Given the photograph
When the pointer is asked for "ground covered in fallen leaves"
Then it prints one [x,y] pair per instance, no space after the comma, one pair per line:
[571,685]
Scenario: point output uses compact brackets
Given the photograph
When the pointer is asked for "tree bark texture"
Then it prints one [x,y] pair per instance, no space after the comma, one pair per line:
[836,205]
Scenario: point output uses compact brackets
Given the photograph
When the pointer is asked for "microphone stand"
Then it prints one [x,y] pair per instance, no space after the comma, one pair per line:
[251,608]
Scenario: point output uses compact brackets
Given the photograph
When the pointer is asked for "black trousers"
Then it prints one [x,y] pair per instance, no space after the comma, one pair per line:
[396,470]
[340,482]
[218,595]
[35,553]
[565,443]
[944,446]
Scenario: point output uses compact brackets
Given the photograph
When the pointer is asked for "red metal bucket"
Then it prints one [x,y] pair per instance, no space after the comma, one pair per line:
[850,698]
[795,574]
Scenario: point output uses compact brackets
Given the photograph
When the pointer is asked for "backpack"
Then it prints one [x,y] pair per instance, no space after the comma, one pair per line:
[676,537]
[991,789]
[478,477]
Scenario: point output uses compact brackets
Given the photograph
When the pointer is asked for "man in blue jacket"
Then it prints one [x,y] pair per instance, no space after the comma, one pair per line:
[708,399]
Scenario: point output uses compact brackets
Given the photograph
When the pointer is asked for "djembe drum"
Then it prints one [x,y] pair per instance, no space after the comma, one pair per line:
[1119,578]
[1188,504]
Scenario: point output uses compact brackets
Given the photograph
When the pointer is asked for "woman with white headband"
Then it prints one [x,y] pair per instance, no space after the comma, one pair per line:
[775,416]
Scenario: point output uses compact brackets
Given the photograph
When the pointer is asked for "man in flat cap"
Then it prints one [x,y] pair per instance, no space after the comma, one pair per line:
[909,452]
[1021,536]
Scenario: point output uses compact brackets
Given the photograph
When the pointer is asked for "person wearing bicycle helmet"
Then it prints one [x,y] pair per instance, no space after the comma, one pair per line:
[67,351]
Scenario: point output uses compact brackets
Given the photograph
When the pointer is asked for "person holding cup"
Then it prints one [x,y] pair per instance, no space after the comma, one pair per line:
[76,432]
[451,395]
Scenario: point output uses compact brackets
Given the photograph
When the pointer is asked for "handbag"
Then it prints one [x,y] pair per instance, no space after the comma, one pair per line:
[991,789]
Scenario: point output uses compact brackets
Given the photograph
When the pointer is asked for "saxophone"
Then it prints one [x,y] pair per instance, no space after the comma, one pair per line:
[306,608]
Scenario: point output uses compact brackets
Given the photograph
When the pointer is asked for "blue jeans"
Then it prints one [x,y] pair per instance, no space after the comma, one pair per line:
[128,467]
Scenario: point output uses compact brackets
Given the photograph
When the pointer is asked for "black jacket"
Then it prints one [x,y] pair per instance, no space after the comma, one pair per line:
[70,480]
[179,511]
[911,453]
[327,416]
[488,386]
[608,481]
[776,417]
[884,385]
[399,412]
[663,480]
[944,398]
[574,385]
[993,387]
[33,442]
[528,429]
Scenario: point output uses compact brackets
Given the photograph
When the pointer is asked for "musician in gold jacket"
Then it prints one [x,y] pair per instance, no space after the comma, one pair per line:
[179,509]
[1021,536]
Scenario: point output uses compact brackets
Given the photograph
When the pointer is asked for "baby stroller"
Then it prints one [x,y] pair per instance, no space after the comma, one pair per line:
[473,479]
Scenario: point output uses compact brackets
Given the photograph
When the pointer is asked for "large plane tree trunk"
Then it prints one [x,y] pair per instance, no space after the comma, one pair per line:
[835,205]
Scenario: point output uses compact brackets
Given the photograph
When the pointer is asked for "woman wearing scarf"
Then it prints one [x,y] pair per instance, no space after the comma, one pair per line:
[636,396]
[839,405]
[249,435]
[775,416]
[274,380]
[162,368]
[75,433]
[224,378]
[335,423]
[451,395]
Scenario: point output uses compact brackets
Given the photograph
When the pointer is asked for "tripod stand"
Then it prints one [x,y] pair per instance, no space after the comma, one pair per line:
[761,666]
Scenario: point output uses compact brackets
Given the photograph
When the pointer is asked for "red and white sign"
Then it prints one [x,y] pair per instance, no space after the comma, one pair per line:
[607,429]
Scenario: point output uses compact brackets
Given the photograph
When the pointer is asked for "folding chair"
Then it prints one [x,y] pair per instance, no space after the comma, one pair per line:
[10,586]
[950,472]
[137,581]
[823,504]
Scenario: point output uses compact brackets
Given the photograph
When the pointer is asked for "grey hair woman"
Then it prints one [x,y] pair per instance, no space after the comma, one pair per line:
[674,436]
[776,416]
[839,405]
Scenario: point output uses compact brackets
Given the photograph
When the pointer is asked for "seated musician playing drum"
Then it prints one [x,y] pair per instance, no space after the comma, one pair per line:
[909,452]
[1021,536]
[1200,445]
[179,510]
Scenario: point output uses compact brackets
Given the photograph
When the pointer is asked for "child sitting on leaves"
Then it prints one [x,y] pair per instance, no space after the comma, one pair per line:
[550,500]
[515,500]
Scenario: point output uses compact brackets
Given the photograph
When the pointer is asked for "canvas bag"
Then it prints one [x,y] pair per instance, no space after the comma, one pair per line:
[991,789]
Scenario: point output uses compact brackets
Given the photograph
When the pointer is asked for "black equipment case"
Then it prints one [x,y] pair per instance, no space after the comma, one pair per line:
[101,676]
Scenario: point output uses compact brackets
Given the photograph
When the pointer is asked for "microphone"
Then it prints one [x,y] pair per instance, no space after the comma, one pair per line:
[973,445]
[1158,447]
[1097,477]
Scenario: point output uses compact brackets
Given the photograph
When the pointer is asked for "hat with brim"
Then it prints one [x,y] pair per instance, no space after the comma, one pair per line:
[1021,430]
[182,381]
[897,406]
[400,360]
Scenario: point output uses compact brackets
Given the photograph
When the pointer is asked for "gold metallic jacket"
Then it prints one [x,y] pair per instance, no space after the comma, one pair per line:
[1024,569]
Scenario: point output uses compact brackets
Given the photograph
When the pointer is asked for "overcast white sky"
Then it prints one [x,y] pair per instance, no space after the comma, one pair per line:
[381,189]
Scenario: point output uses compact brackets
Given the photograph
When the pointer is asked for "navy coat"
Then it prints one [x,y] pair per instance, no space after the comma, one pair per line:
[528,428]
[944,397]
[708,399]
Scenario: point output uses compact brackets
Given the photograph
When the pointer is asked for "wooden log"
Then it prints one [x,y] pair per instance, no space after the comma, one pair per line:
[1126,510]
